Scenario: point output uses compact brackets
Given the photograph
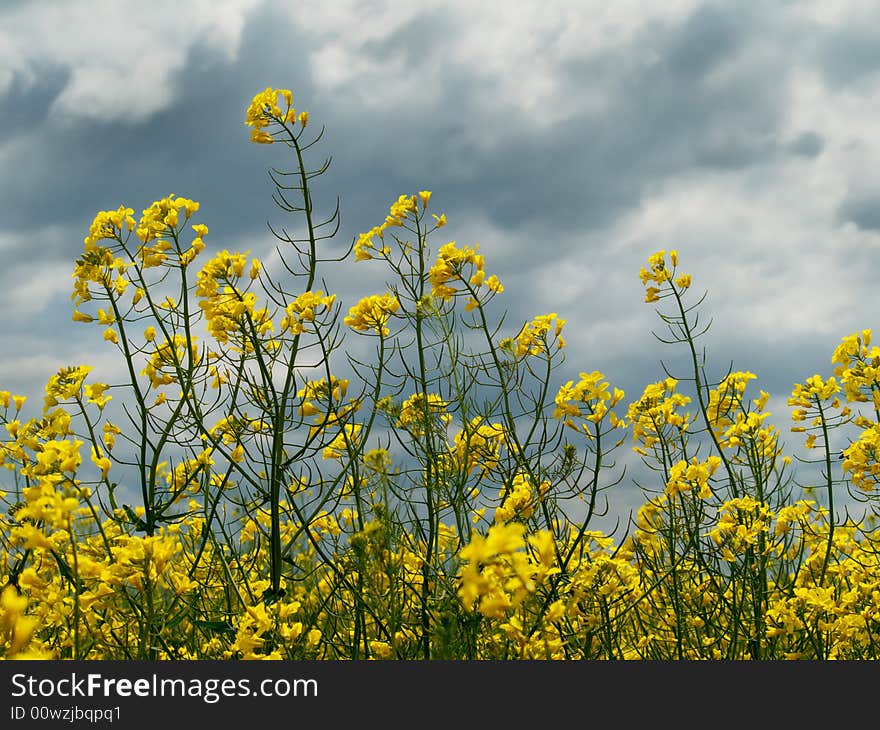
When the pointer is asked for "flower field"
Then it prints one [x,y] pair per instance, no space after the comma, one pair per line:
[252,490]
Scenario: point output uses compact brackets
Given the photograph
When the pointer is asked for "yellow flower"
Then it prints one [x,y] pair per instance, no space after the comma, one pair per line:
[532,339]
[94,393]
[264,109]
[373,312]
[494,285]
[304,308]
[659,273]
[347,436]
[101,461]
[108,224]
[419,411]
[378,460]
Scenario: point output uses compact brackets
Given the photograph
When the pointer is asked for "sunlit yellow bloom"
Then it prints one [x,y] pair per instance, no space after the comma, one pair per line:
[109,224]
[347,437]
[101,461]
[264,110]
[533,338]
[373,313]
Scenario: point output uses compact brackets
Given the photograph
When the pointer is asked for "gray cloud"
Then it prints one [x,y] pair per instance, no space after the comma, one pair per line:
[664,115]
[851,54]
[807,144]
[26,105]
[705,40]
[862,209]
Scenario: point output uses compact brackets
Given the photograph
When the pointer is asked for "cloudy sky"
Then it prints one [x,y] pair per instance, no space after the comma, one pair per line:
[569,140]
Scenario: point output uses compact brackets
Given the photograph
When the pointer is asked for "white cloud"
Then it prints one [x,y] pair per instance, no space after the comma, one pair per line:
[516,49]
[30,288]
[122,56]
[836,14]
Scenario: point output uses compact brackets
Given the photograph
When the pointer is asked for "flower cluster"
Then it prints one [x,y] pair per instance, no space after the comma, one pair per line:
[660,273]
[498,573]
[857,364]
[588,399]
[687,475]
[109,224]
[264,110]
[656,412]
[373,313]
[535,336]
[404,208]
[861,459]
[479,444]
[463,265]
[520,499]
[303,310]
[420,413]
[229,310]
